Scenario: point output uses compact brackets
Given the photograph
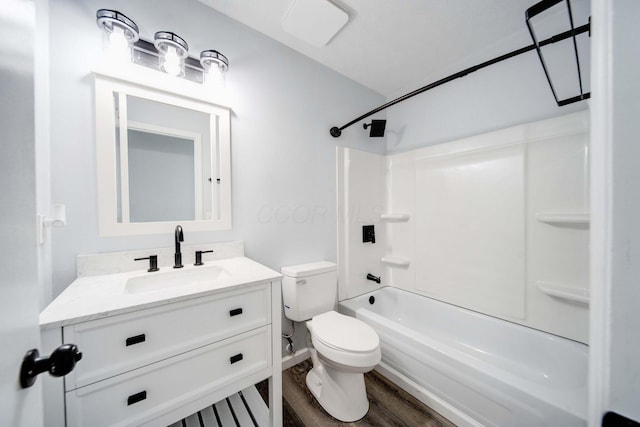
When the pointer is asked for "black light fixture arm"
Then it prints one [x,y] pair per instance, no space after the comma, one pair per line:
[337,131]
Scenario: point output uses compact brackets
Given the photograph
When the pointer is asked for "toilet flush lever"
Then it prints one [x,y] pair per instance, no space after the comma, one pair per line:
[301,282]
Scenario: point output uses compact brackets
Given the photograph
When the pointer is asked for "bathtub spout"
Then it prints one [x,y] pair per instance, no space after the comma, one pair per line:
[373,278]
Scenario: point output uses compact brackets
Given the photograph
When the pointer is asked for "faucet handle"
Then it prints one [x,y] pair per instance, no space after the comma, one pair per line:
[199,257]
[153,262]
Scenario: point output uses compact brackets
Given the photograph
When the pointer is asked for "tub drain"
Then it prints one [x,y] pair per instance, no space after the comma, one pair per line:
[372,299]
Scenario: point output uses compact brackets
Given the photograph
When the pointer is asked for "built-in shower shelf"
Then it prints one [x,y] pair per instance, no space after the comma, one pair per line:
[395,261]
[568,293]
[246,406]
[564,218]
[395,217]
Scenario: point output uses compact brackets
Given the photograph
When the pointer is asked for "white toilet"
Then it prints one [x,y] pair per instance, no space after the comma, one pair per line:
[344,348]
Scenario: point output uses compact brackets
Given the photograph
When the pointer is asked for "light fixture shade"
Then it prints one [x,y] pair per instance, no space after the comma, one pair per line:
[108,20]
[209,58]
[163,40]
[173,49]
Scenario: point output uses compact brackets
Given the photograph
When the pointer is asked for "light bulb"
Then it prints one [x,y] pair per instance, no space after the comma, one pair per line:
[214,77]
[171,64]
[118,45]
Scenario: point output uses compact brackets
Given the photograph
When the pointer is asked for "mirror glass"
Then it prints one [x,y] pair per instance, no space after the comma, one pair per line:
[168,175]
[170,161]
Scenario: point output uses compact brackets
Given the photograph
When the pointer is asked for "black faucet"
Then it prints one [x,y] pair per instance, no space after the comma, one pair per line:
[178,255]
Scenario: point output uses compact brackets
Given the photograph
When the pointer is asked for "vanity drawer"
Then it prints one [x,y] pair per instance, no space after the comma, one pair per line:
[121,343]
[142,395]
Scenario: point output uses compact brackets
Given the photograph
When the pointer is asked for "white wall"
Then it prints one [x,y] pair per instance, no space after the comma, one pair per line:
[283,158]
[615,365]
[505,94]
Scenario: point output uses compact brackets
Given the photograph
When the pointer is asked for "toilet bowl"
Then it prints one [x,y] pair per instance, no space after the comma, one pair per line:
[342,348]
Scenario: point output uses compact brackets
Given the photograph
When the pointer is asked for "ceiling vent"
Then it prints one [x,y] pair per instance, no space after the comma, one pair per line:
[314,21]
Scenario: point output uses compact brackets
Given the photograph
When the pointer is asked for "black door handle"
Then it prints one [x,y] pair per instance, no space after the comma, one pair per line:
[59,363]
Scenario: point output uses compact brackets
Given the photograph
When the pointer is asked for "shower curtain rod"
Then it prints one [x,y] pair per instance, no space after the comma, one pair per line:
[337,131]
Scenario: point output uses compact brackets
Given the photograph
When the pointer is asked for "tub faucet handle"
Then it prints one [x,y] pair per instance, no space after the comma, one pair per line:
[373,278]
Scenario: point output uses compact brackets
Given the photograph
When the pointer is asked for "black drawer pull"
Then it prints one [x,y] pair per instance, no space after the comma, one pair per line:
[235,312]
[236,358]
[135,398]
[136,340]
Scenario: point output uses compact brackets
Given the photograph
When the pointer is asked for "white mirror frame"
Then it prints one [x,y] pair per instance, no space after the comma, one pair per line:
[135,81]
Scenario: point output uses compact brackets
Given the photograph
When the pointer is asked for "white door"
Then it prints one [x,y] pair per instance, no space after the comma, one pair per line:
[19,290]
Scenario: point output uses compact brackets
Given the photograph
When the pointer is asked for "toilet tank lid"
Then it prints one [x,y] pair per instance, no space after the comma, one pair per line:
[309,269]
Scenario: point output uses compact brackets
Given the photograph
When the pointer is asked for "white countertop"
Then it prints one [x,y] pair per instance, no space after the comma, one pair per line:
[95,297]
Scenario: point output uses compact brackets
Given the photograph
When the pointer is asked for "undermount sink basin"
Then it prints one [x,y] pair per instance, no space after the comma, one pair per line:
[188,277]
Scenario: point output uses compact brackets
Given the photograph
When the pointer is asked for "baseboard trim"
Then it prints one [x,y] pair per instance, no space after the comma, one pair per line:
[293,359]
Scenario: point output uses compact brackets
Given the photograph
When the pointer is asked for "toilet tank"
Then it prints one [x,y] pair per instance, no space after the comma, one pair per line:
[309,289]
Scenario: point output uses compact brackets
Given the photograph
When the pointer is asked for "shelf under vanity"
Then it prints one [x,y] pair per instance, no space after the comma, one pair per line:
[246,406]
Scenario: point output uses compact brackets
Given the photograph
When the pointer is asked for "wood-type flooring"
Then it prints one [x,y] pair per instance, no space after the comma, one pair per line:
[389,406]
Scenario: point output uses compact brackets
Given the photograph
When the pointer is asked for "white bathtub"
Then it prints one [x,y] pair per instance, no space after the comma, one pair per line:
[472,368]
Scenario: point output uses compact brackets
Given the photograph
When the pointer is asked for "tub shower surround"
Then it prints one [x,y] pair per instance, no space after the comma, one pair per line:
[497,224]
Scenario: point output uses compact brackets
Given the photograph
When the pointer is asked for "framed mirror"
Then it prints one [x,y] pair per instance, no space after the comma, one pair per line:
[163,159]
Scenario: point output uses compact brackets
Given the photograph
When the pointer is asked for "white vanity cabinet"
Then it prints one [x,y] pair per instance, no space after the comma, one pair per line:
[158,364]
[122,343]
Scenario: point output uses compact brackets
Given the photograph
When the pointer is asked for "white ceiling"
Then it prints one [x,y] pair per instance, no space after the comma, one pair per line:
[395,46]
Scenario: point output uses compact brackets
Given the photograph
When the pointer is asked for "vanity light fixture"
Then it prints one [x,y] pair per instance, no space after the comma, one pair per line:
[215,65]
[209,58]
[167,52]
[122,31]
[173,50]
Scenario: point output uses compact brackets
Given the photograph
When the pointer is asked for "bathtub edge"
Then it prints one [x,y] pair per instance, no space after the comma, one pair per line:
[450,412]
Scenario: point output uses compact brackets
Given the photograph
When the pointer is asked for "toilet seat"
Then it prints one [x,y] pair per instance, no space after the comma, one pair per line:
[345,340]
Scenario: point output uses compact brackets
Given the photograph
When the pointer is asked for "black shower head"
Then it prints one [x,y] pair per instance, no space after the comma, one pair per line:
[377,128]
